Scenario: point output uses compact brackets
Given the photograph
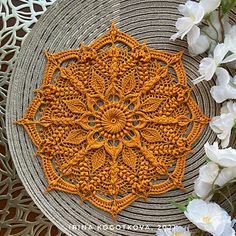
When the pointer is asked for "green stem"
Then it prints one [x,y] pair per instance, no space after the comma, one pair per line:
[213,188]
[203,233]
[217,33]
[208,35]
[220,16]
[232,181]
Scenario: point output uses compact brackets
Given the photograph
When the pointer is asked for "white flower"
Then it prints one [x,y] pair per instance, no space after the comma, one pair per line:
[207,175]
[225,87]
[223,124]
[209,217]
[226,175]
[209,65]
[223,157]
[209,5]
[193,13]
[174,231]
[209,35]
[212,32]
[230,40]
[197,43]
[210,175]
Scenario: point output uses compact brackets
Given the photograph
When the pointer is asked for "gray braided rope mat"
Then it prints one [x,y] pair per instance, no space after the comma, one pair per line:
[64,26]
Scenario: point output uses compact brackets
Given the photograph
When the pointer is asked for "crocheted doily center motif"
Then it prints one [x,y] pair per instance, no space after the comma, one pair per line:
[113,121]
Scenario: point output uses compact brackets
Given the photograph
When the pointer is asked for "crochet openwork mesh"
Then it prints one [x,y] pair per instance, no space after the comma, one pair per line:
[113,121]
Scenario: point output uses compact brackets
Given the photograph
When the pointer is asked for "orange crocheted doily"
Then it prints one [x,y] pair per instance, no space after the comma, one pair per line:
[113,121]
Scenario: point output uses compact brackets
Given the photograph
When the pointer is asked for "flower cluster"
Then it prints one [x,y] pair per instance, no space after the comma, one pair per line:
[218,174]
[219,171]
[207,28]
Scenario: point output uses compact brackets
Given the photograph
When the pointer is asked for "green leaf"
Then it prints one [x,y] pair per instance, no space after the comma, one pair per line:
[207,159]
[192,197]
[227,5]
[234,126]
[181,207]
[207,16]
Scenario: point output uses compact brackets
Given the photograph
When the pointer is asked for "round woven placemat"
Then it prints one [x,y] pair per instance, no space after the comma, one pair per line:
[64,26]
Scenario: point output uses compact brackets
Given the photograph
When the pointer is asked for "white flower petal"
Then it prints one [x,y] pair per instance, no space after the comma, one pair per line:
[209,5]
[192,13]
[172,231]
[223,124]
[193,10]
[223,89]
[187,8]
[202,189]
[211,154]
[181,231]
[223,76]
[183,25]
[226,175]
[228,231]
[231,106]
[225,141]
[209,217]
[193,35]
[223,157]
[175,36]
[207,175]
[162,232]
[207,68]
[222,93]
[229,58]
[198,13]
[200,46]
[230,39]
[183,9]
[208,65]
[220,52]
[208,172]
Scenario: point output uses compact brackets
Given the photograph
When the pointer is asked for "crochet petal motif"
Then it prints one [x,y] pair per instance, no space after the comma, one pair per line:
[116,121]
